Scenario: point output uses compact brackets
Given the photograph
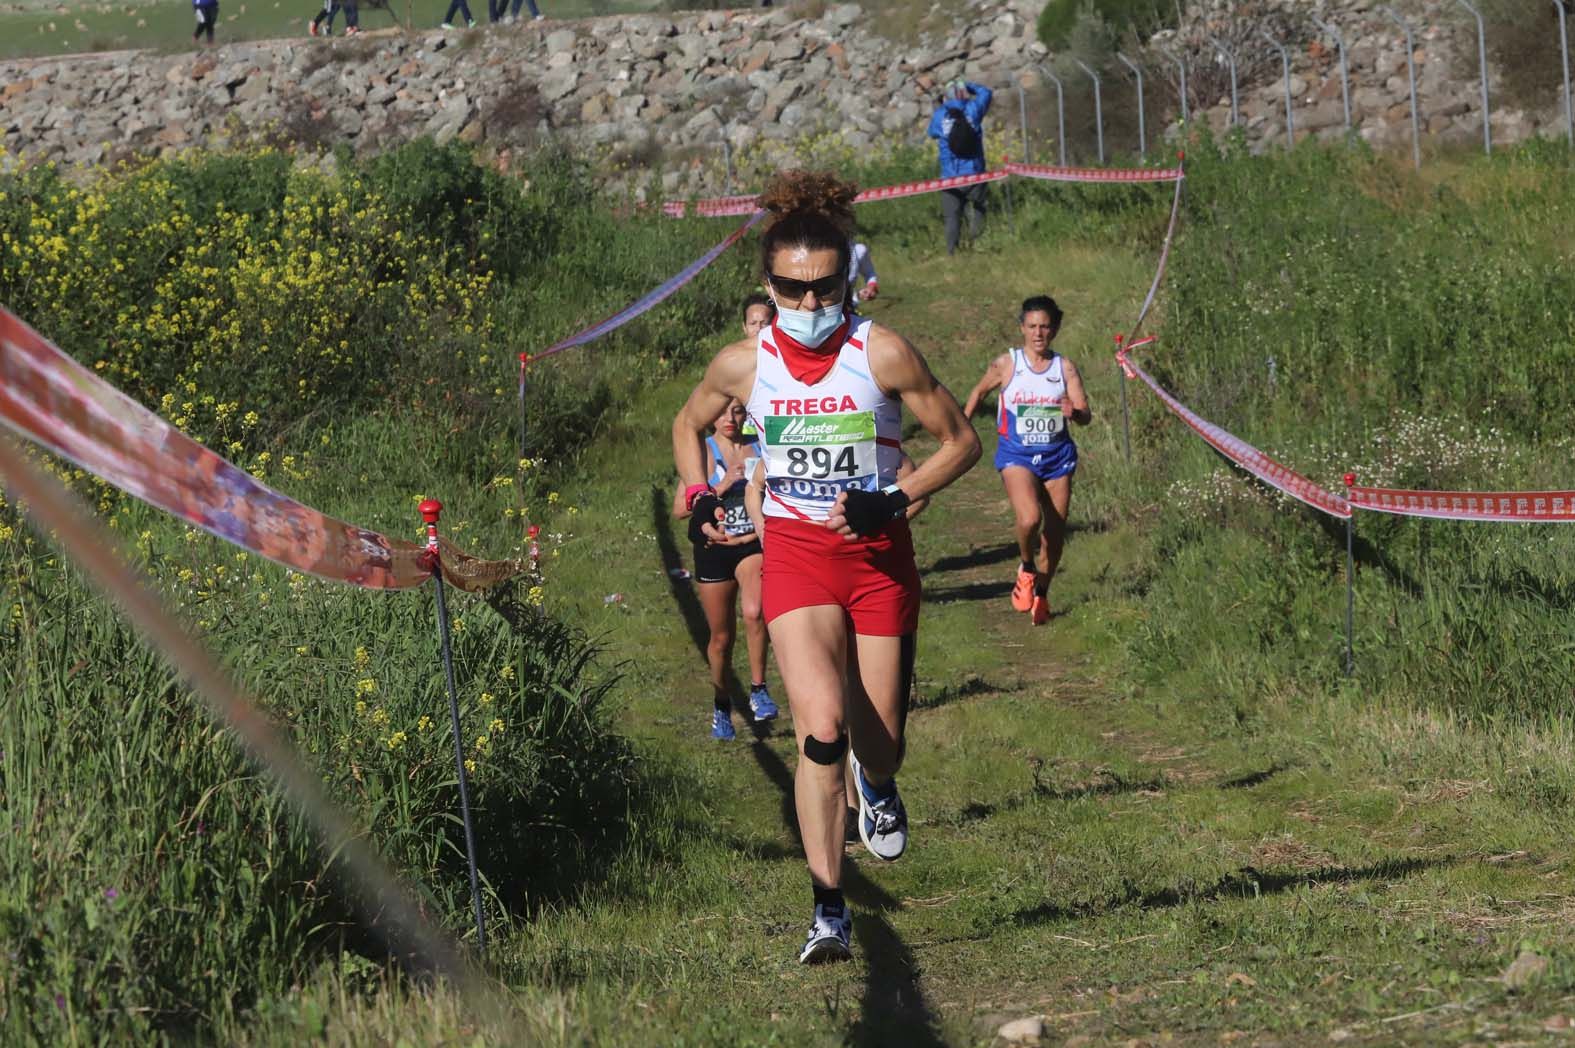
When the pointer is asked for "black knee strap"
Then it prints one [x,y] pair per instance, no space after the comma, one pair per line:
[827,753]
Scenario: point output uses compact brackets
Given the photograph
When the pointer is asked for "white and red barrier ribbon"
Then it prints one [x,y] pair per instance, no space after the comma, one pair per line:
[718,207]
[52,400]
[1164,256]
[1249,458]
[1049,173]
[1523,507]
[661,293]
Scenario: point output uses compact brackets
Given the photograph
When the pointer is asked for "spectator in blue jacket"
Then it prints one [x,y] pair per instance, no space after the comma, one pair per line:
[958,129]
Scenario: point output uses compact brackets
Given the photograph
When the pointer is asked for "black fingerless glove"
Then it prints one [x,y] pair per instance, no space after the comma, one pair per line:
[869,511]
[707,509]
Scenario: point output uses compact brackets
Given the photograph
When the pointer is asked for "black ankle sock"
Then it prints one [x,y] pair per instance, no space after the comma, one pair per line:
[757,685]
[830,898]
[1023,565]
[723,705]
[1042,587]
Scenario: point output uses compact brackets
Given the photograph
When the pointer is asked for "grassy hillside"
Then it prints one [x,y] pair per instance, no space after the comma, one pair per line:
[1166,816]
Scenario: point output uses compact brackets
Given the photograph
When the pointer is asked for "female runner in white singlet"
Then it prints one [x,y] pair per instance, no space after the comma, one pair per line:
[826,393]
[727,572]
[1041,395]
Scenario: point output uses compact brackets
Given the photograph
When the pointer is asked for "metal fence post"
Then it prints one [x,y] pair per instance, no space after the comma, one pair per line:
[1022,115]
[1487,113]
[1181,64]
[1142,124]
[1564,51]
[1230,57]
[1099,108]
[727,160]
[1060,112]
[1285,61]
[1410,70]
[1345,74]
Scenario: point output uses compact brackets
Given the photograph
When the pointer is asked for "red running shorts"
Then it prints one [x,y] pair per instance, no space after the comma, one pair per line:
[875,580]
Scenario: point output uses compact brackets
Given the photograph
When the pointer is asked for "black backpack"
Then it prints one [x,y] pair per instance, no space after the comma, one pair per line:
[962,138]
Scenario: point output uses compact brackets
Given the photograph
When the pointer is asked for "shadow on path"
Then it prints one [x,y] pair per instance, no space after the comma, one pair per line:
[895,1010]
[1107,784]
[688,601]
[1246,883]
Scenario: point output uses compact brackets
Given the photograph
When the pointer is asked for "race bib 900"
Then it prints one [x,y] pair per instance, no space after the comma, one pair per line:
[815,458]
[1039,423]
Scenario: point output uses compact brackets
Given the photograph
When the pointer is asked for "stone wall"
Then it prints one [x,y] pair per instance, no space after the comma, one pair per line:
[644,89]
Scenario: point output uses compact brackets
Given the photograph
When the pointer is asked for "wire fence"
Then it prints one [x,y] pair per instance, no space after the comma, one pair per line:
[1225,65]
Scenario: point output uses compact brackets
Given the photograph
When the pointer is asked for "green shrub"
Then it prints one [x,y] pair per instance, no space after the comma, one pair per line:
[1059,19]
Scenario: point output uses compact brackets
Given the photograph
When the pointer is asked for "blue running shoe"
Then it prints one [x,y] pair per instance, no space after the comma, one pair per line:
[883,821]
[829,939]
[760,704]
[722,726]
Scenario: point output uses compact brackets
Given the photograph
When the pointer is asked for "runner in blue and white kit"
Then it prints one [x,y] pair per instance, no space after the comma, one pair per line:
[728,568]
[1041,393]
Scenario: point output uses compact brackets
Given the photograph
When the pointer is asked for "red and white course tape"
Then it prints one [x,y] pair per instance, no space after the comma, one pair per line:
[1048,173]
[718,207]
[1243,454]
[1522,507]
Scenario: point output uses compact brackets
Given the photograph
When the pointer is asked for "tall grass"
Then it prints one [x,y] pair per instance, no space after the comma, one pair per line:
[1343,312]
[153,881]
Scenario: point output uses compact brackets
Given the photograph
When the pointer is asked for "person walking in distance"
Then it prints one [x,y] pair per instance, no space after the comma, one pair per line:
[957,126]
[1041,393]
[458,7]
[207,12]
[324,14]
[862,267]
[826,392]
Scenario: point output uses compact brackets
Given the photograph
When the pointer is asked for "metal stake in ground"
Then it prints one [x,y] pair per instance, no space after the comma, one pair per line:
[1230,60]
[1350,578]
[1285,61]
[1022,118]
[1126,414]
[1060,112]
[1564,53]
[524,363]
[1482,66]
[1099,109]
[1345,73]
[430,511]
[1142,124]
[1410,72]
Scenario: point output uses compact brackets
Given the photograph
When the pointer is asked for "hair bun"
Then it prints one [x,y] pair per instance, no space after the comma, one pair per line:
[820,193]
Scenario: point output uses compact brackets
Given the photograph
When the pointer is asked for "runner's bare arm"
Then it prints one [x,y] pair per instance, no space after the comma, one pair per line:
[755,499]
[994,378]
[1080,412]
[903,372]
[680,506]
[905,469]
[731,374]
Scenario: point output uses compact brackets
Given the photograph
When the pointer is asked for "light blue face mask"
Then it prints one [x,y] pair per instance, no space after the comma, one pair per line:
[810,327]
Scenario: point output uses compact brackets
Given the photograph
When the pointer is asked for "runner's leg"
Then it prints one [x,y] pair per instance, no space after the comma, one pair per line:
[951,214]
[1053,541]
[748,574]
[1024,493]
[718,600]
[812,651]
[880,675]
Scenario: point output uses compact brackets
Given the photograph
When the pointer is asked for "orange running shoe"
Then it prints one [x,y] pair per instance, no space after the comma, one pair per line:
[1023,592]
[1041,610]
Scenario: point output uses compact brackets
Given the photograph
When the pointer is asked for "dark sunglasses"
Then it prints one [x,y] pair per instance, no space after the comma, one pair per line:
[824,288]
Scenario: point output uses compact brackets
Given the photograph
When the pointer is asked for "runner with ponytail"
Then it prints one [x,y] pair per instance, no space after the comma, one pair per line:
[825,391]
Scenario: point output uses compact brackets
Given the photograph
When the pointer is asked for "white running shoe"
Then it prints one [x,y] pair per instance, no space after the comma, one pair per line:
[883,822]
[830,936]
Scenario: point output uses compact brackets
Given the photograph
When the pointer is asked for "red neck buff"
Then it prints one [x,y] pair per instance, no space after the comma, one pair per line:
[810,364]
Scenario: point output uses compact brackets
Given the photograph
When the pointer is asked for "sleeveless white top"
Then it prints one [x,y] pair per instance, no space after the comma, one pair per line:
[1029,416]
[842,433]
[737,520]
